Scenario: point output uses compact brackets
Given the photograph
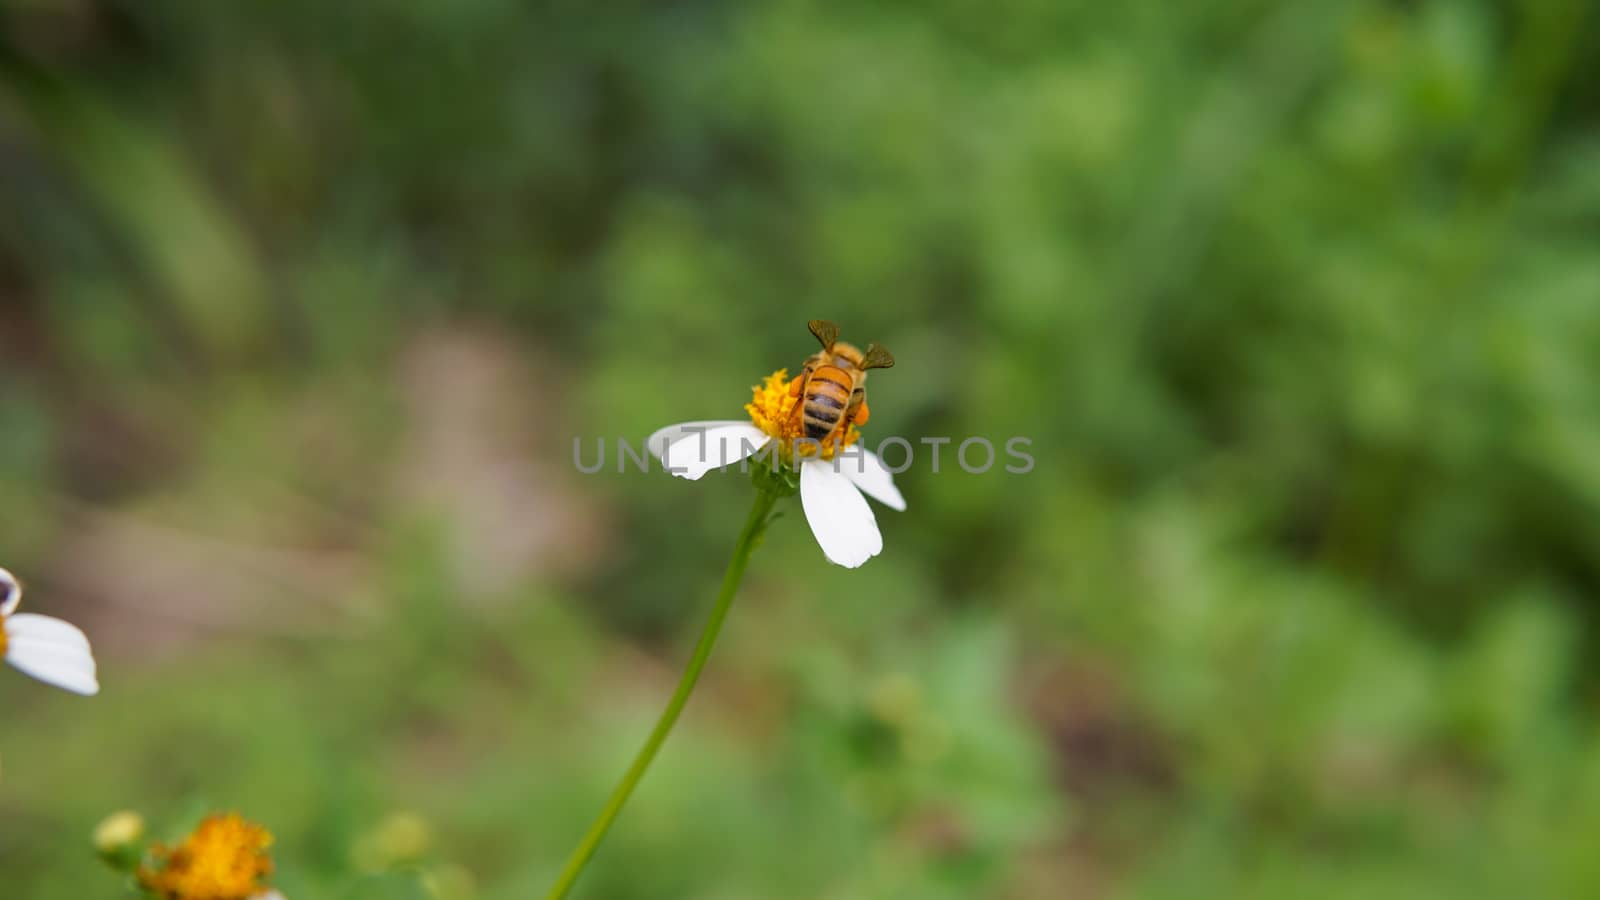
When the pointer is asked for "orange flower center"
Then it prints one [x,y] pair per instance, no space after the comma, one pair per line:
[224,859]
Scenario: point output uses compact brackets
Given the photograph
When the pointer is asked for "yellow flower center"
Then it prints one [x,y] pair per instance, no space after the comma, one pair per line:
[2,637]
[772,409]
[224,859]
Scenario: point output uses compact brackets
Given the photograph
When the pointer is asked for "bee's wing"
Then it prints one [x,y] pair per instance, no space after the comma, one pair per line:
[826,332]
[876,357]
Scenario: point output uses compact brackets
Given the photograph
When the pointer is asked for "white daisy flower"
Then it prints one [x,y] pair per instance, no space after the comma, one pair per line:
[49,649]
[833,476]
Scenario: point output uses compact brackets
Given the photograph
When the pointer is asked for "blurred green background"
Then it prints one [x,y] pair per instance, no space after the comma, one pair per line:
[302,304]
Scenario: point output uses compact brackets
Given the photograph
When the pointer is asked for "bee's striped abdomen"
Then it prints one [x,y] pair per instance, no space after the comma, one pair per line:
[826,396]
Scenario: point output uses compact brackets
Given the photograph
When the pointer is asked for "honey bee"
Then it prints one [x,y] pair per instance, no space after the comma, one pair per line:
[833,384]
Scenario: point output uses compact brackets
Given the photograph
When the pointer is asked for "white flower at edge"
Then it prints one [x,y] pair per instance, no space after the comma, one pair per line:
[830,491]
[46,648]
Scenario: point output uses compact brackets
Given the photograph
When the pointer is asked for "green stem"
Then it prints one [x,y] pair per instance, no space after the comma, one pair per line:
[748,538]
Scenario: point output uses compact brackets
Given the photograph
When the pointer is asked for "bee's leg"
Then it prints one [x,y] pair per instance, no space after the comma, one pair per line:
[797,412]
[796,387]
[799,382]
[861,414]
[835,438]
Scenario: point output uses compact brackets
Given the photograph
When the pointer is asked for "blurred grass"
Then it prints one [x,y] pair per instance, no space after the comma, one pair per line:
[303,306]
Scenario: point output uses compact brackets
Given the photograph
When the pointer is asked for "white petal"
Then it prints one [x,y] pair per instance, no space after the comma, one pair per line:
[838,515]
[45,629]
[72,671]
[10,593]
[666,437]
[52,651]
[867,472]
[698,453]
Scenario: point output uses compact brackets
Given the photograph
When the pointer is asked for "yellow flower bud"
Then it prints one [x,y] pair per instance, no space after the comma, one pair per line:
[117,839]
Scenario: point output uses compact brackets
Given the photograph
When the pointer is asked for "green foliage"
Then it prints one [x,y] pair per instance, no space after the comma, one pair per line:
[305,302]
